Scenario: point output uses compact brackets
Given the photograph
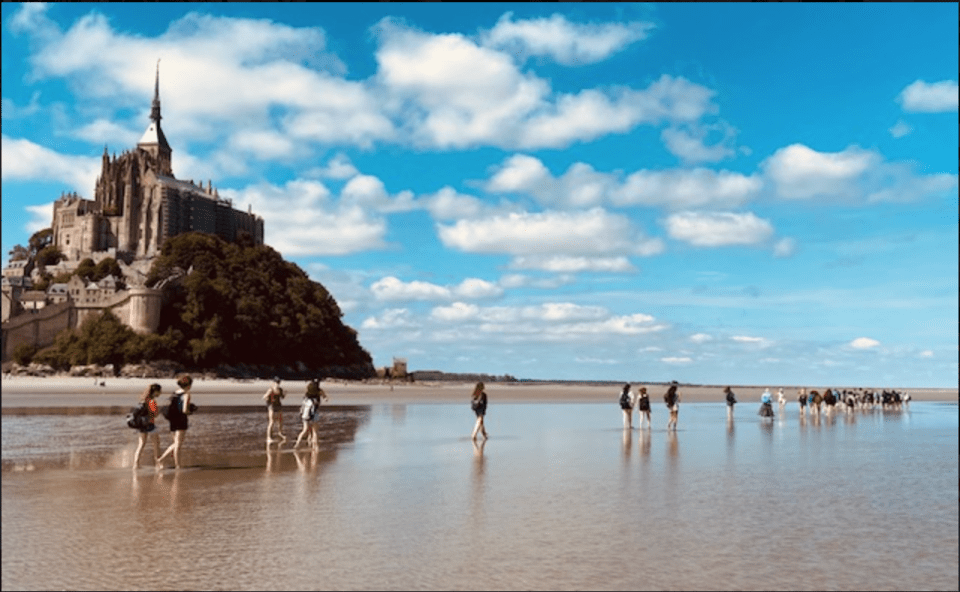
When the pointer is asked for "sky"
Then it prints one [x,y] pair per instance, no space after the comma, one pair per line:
[750,194]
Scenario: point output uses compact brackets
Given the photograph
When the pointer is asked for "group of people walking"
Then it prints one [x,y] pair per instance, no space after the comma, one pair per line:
[176,413]
[641,401]
[181,407]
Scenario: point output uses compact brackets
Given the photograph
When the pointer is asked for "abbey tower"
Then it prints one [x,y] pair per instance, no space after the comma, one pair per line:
[138,203]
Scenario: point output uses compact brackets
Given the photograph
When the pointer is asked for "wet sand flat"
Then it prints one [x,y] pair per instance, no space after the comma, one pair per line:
[561,497]
[119,392]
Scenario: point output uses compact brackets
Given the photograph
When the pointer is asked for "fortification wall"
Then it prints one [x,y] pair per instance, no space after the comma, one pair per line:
[138,308]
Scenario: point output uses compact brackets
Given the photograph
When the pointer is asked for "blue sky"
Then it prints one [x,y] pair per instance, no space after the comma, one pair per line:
[716,193]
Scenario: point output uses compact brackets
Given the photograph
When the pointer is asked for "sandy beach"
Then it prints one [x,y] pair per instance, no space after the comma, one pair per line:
[34,392]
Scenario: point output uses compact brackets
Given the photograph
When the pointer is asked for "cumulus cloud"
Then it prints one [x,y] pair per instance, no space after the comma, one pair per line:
[932,97]
[759,341]
[864,343]
[676,360]
[295,214]
[900,129]
[24,160]
[718,229]
[700,338]
[549,234]
[690,142]
[393,318]
[568,43]
[391,288]
[799,172]
[582,186]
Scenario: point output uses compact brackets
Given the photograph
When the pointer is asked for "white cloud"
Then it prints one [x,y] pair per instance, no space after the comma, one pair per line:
[676,360]
[864,343]
[25,161]
[718,229]
[391,288]
[475,288]
[568,43]
[40,217]
[683,189]
[582,186]
[689,143]
[300,212]
[799,172]
[567,264]
[448,204]
[900,129]
[591,233]
[785,247]
[933,97]
[393,318]
[339,167]
[700,338]
[456,312]
[758,341]
[926,353]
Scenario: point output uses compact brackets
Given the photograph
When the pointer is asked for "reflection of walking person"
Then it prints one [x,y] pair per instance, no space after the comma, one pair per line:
[479,405]
[672,399]
[180,407]
[148,398]
[626,404]
[274,398]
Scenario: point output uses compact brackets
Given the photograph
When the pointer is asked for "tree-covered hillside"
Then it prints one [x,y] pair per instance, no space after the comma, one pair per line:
[229,304]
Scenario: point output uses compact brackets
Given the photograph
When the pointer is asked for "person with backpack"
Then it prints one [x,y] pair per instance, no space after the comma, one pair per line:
[144,417]
[731,401]
[274,398]
[478,402]
[180,407]
[643,406]
[672,399]
[766,404]
[310,412]
[626,404]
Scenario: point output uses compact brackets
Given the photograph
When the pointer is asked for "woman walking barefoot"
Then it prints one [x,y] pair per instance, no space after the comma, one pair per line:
[180,407]
[672,399]
[731,401]
[310,412]
[626,404]
[274,398]
[478,403]
[148,398]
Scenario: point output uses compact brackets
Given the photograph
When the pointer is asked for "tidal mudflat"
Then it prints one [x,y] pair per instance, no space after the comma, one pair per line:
[560,497]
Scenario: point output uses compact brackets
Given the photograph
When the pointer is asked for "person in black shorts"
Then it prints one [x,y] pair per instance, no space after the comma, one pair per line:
[180,407]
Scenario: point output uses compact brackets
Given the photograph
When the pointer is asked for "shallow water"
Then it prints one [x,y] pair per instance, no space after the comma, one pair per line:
[560,497]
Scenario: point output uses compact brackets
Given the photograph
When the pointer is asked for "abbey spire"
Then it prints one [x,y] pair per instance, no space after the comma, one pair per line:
[153,140]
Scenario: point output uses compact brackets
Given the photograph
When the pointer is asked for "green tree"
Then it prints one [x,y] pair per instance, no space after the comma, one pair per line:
[19,253]
[49,255]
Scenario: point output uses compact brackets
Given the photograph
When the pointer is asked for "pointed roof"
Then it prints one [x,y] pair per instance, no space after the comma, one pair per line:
[154,135]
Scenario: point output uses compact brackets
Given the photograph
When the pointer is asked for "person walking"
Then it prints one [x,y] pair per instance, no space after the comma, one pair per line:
[274,398]
[180,408]
[781,400]
[310,413]
[731,401]
[672,399]
[643,406]
[766,404]
[148,398]
[802,401]
[626,404]
[478,402]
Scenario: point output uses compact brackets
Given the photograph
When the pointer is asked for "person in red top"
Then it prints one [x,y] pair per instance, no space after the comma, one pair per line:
[148,398]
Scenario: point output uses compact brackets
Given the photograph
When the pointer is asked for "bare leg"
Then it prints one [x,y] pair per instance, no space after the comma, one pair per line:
[279,416]
[269,425]
[140,445]
[303,432]
[477,426]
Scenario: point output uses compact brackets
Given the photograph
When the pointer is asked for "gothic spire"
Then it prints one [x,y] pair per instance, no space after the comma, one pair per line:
[155,111]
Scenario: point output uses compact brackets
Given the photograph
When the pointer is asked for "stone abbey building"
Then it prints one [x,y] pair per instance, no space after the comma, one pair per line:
[138,203]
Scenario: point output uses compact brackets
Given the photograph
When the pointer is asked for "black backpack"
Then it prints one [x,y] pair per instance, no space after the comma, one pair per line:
[138,417]
[625,400]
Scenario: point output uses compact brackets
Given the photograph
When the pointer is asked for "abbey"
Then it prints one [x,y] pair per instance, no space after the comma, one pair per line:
[138,203]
